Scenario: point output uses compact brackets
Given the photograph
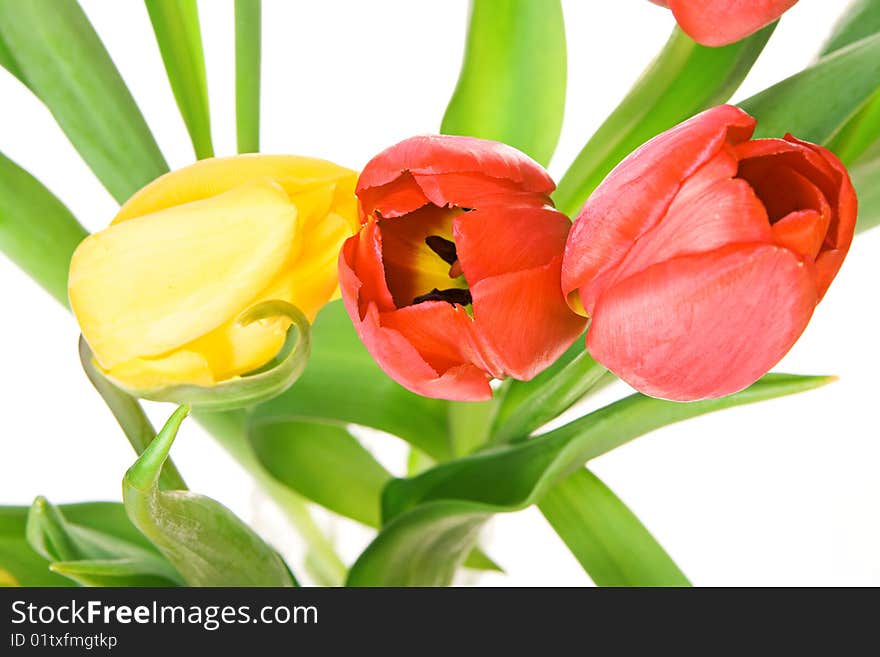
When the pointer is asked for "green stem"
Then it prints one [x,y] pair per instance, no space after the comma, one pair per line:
[247,74]
[228,429]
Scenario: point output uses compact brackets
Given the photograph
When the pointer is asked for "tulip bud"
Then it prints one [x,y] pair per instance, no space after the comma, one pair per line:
[721,22]
[453,278]
[701,257]
[176,290]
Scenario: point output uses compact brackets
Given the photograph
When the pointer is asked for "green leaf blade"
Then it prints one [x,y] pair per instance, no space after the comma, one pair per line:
[608,540]
[177,30]
[512,83]
[248,36]
[58,54]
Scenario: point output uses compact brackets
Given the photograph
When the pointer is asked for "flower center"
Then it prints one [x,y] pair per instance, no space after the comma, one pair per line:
[420,258]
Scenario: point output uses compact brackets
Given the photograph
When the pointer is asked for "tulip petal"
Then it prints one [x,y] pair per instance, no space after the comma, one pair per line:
[440,154]
[399,197]
[706,325]
[182,366]
[721,22]
[154,283]
[522,316]
[802,231]
[467,190]
[361,274]
[636,195]
[214,176]
[500,239]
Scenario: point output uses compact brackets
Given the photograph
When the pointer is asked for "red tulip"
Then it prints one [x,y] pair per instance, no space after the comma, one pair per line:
[700,258]
[720,22]
[453,279]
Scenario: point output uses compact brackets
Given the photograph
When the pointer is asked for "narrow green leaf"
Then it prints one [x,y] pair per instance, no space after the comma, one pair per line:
[606,537]
[129,415]
[176,26]
[19,564]
[313,459]
[479,560]
[7,61]
[37,231]
[205,541]
[865,174]
[435,517]
[469,424]
[817,102]
[529,405]
[343,384]
[512,83]
[93,557]
[258,386]
[686,78]
[57,53]
[248,16]
[861,19]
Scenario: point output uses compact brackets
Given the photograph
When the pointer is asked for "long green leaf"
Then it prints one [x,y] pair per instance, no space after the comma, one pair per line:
[866,178]
[445,506]
[686,78]
[324,463]
[37,231]
[817,102]
[93,557]
[343,384]
[176,26]
[205,541]
[512,82]
[57,53]
[606,537]
[248,30]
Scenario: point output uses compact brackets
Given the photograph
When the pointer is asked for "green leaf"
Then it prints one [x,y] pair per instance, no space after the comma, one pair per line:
[255,387]
[512,83]
[205,541]
[176,25]
[56,51]
[37,231]
[93,557]
[19,564]
[865,174]
[436,516]
[686,78]
[817,102]
[248,16]
[343,384]
[129,415]
[861,20]
[324,463]
[529,405]
[606,537]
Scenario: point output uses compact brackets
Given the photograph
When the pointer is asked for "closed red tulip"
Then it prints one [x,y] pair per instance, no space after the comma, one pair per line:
[453,279]
[701,257]
[720,22]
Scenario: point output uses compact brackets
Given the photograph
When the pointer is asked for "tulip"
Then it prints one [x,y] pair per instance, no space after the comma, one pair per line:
[453,279]
[160,294]
[701,257]
[721,22]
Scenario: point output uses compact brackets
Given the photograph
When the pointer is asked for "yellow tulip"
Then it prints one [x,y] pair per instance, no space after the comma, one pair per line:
[159,293]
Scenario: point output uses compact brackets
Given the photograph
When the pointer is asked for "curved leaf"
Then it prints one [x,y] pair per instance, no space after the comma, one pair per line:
[606,537]
[19,564]
[205,541]
[176,26]
[512,83]
[57,53]
[248,14]
[446,505]
[686,78]
[866,178]
[343,384]
[817,102]
[37,231]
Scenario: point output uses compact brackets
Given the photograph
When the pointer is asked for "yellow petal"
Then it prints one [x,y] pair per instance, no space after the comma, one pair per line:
[215,176]
[175,368]
[154,283]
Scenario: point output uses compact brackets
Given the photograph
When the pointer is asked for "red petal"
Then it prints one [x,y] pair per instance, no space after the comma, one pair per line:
[523,318]
[636,195]
[720,22]
[468,190]
[499,239]
[706,325]
[802,231]
[438,154]
[361,274]
[398,197]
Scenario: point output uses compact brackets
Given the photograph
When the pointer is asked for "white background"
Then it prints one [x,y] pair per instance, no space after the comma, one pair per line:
[781,493]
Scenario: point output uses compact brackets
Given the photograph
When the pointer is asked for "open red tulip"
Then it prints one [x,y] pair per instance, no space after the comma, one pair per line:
[720,22]
[701,257]
[453,279]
